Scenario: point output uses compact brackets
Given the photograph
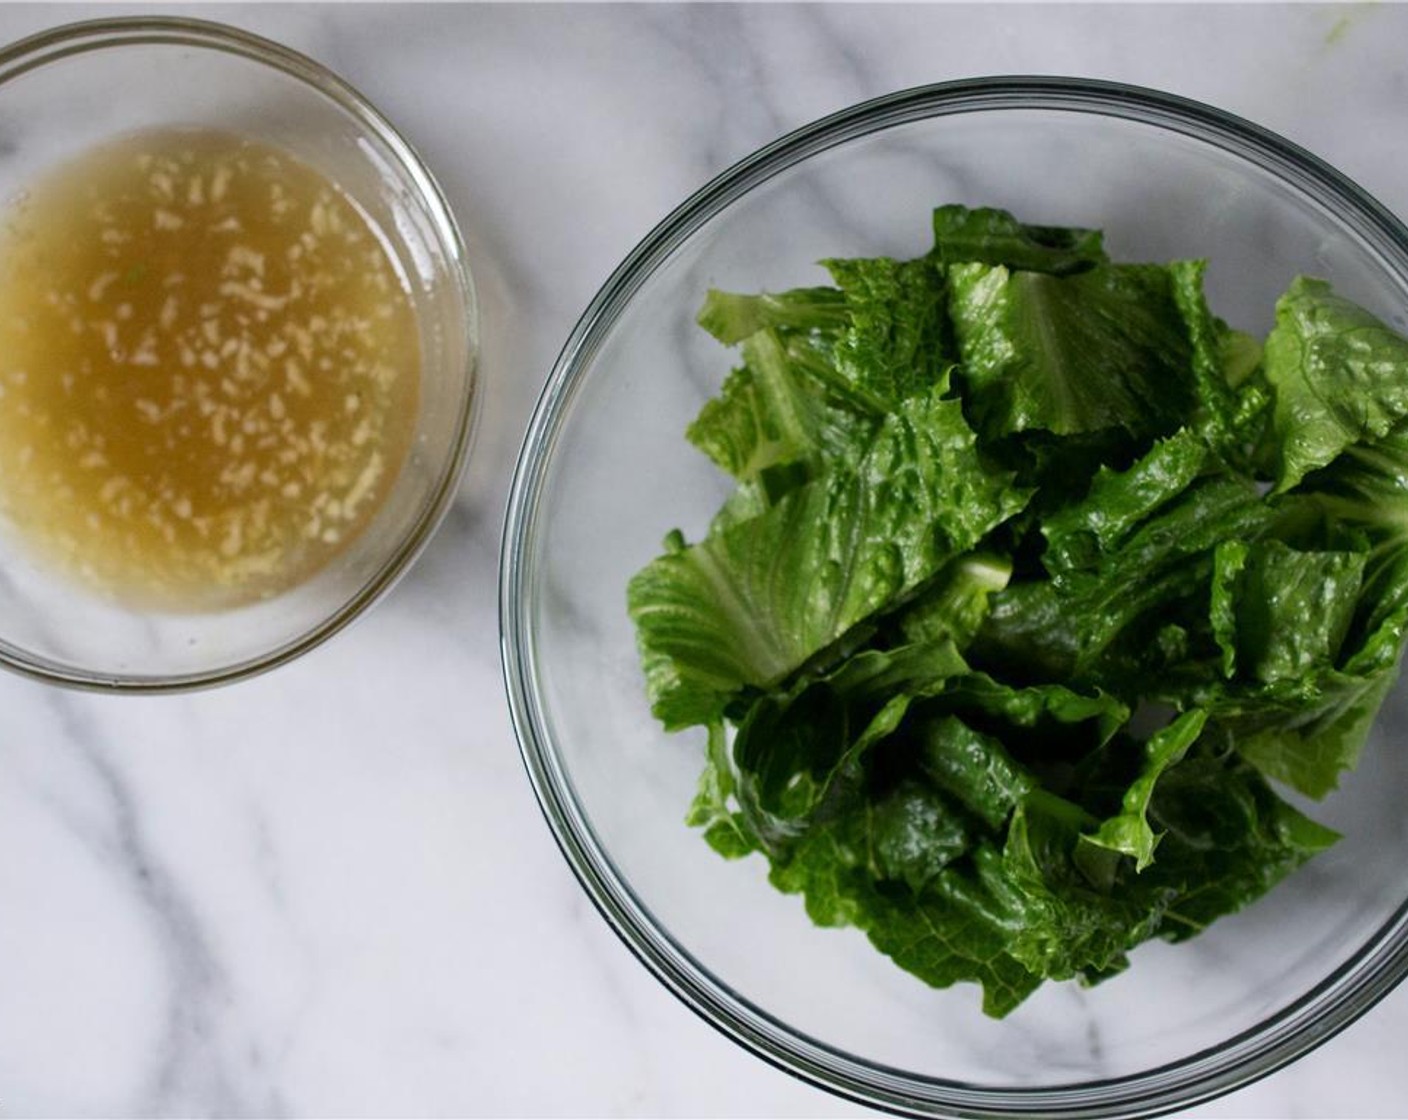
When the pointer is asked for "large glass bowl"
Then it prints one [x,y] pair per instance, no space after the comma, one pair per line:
[605,472]
[71,89]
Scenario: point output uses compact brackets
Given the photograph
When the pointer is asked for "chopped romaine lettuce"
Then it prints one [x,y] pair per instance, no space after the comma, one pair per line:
[1037,575]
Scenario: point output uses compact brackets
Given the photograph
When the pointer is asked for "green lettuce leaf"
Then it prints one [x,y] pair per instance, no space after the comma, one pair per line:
[1229,559]
[800,751]
[821,367]
[1227,839]
[1300,695]
[1312,637]
[1293,609]
[770,412]
[1305,733]
[1069,927]
[955,930]
[1337,375]
[751,603]
[1129,832]
[954,605]
[989,236]
[898,341]
[732,316]
[1106,623]
[974,769]
[1363,496]
[1118,502]
[1051,718]
[1102,349]
[1231,405]
[713,809]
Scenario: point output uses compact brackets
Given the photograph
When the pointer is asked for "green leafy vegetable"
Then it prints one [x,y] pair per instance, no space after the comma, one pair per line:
[992,236]
[772,412]
[1037,576]
[898,341]
[1337,373]
[731,317]
[1102,349]
[751,603]
[1129,832]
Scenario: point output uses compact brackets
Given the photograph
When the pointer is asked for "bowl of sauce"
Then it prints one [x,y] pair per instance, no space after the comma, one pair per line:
[237,354]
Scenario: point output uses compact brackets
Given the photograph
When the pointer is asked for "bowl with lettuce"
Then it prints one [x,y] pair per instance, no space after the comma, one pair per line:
[953,593]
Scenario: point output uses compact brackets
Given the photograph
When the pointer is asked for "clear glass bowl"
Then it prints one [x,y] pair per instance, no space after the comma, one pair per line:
[605,472]
[70,89]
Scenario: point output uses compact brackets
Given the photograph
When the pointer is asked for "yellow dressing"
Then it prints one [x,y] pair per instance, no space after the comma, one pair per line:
[209,369]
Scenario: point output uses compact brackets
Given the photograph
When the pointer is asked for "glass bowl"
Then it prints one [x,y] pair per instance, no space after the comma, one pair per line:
[68,90]
[605,472]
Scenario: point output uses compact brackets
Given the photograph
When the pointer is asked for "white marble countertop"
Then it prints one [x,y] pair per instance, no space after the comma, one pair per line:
[329,890]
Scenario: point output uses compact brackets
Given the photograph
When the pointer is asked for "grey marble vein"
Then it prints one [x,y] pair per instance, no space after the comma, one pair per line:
[189,1073]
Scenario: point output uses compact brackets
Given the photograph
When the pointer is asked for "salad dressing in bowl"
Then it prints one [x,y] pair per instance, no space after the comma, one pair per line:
[209,369]
[238,355]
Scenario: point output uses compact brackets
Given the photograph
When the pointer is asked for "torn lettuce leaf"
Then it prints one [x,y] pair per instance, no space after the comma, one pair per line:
[1129,831]
[822,367]
[1304,733]
[752,602]
[990,236]
[1102,349]
[899,341]
[732,316]
[799,752]
[1337,375]
[974,769]
[1119,501]
[954,930]
[1101,617]
[772,413]
[955,603]
[1292,609]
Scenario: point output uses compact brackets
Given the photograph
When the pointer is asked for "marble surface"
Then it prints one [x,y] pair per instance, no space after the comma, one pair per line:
[329,890]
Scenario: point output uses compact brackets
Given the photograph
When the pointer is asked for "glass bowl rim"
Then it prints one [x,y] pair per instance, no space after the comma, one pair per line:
[1327,1008]
[81,37]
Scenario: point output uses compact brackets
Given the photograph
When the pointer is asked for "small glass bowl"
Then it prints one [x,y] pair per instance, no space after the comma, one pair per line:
[68,90]
[605,472]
